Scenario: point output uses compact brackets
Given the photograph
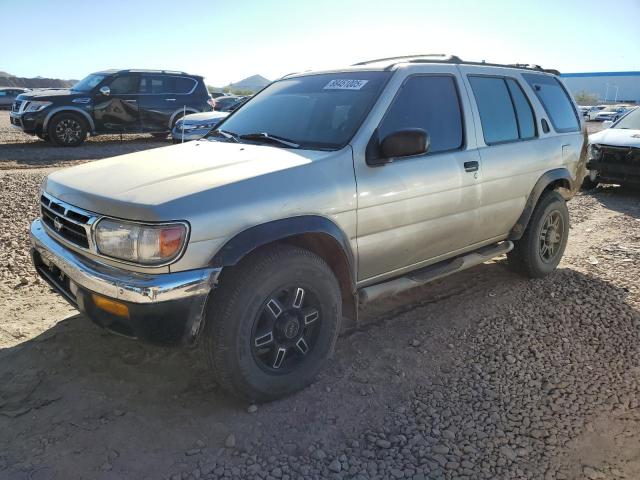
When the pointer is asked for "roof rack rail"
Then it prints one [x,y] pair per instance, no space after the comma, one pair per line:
[442,58]
[435,57]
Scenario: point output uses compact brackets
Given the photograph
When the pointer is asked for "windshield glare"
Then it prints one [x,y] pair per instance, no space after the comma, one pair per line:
[630,121]
[316,111]
[88,83]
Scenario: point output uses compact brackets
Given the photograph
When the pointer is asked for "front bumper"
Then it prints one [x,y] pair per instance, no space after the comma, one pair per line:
[30,122]
[163,308]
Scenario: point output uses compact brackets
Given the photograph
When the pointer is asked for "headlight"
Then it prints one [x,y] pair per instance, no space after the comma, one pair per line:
[193,126]
[140,243]
[594,151]
[36,106]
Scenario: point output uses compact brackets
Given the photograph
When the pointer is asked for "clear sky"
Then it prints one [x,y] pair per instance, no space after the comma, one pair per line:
[228,40]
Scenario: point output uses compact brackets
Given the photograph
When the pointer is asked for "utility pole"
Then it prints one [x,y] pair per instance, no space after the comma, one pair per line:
[606,93]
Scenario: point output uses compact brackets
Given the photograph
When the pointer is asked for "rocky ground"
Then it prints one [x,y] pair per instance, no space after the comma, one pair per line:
[481,375]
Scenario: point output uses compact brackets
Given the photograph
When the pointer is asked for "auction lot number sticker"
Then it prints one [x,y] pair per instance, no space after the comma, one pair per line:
[345,84]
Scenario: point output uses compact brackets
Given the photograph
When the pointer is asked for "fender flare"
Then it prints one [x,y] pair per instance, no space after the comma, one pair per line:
[180,110]
[257,236]
[559,176]
[62,109]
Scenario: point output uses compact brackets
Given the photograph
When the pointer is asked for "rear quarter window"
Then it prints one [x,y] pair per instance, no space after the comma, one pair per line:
[555,100]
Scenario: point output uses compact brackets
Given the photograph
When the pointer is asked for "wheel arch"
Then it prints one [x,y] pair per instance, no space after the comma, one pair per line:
[312,232]
[558,179]
[186,111]
[69,109]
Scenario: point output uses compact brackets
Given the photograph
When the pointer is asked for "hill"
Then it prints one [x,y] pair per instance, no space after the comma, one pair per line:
[8,80]
[252,83]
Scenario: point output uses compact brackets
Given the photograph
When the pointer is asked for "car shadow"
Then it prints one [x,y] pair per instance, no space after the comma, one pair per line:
[78,393]
[38,153]
[623,199]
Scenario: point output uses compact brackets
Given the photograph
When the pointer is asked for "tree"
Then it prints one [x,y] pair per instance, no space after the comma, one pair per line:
[586,98]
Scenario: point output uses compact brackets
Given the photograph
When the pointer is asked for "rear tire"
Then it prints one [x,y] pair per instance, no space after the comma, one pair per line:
[264,338]
[67,130]
[540,249]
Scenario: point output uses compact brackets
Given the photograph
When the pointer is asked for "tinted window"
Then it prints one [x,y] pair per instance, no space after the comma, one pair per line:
[496,110]
[3,93]
[184,85]
[524,114]
[123,85]
[555,101]
[430,103]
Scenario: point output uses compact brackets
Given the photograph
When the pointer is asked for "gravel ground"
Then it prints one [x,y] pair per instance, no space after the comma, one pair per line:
[481,375]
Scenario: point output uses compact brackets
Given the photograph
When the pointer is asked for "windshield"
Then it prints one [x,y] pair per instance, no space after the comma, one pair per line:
[316,111]
[630,121]
[88,83]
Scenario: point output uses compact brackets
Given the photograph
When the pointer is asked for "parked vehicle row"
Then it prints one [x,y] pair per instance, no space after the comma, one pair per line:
[326,190]
[603,113]
[111,101]
[8,95]
[614,153]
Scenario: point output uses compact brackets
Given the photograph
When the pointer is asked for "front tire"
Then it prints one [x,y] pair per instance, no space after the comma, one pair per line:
[67,130]
[273,323]
[540,249]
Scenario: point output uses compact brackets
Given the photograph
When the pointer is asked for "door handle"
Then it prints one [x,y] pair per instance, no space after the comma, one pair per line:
[169,99]
[471,166]
[132,101]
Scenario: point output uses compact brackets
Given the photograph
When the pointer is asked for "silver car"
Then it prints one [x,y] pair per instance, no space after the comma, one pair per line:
[325,190]
[8,96]
[196,125]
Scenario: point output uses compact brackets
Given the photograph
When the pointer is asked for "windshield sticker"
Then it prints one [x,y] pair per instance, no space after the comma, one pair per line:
[345,84]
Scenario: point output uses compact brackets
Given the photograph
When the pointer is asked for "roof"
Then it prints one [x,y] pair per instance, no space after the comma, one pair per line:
[113,71]
[602,74]
[390,62]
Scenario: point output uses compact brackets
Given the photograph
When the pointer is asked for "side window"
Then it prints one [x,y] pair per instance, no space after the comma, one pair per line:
[3,93]
[524,113]
[497,115]
[156,84]
[430,103]
[184,85]
[125,84]
[555,101]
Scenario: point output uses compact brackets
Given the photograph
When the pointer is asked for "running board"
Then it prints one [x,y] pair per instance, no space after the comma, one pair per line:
[434,272]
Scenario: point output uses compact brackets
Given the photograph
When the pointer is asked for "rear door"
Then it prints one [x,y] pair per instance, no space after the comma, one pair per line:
[118,111]
[163,98]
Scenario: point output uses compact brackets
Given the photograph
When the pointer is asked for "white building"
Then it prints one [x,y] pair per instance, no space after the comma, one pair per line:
[612,87]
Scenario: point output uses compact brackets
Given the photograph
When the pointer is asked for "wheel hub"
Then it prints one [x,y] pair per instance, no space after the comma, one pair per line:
[290,327]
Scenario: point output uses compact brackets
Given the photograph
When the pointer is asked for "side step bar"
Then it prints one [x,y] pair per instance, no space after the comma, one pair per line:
[434,272]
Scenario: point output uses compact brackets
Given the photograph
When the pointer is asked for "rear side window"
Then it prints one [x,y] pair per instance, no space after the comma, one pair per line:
[497,114]
[524,113]
[430,103]
[555,101]
[165,84]
[184,85]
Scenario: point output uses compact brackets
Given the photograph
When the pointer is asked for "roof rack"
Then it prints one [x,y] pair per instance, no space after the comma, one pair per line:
[443,58]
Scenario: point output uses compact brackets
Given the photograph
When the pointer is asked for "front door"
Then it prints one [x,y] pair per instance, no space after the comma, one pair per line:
[117,112]
[415,210]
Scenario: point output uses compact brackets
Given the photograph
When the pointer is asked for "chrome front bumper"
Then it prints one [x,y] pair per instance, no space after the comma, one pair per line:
[165,308]
[118,283]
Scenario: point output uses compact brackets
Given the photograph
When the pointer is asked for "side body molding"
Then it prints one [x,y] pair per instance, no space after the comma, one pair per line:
[558,177]
[254,237]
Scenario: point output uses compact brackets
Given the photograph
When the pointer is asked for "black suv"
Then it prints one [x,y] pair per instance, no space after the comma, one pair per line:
[112,101]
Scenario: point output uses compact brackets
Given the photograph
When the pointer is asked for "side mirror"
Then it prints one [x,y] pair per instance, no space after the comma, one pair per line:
[106,91]
[403,143]
[607,123]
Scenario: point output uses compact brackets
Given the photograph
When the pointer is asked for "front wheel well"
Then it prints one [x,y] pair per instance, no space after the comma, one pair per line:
[327,248]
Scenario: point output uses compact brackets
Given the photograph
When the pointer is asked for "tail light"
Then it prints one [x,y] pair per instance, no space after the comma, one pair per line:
[211,102]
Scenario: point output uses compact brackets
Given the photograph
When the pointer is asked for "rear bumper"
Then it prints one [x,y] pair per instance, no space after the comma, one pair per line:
[162,308]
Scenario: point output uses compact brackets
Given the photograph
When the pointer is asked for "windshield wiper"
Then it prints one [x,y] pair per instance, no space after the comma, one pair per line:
[225,134]
[270,138]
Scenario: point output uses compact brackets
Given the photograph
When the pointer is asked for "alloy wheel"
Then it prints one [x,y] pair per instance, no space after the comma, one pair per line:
[551,236]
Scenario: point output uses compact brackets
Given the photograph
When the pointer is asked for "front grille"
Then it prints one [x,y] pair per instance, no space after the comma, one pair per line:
[70,224]
[620,155]
[16,106]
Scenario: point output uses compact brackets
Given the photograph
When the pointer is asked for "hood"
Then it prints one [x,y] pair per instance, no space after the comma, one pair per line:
[617,137]
[151,185]
[49,93]
[204,116]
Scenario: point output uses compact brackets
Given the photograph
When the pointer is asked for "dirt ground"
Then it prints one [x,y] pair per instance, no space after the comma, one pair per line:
[481,375]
